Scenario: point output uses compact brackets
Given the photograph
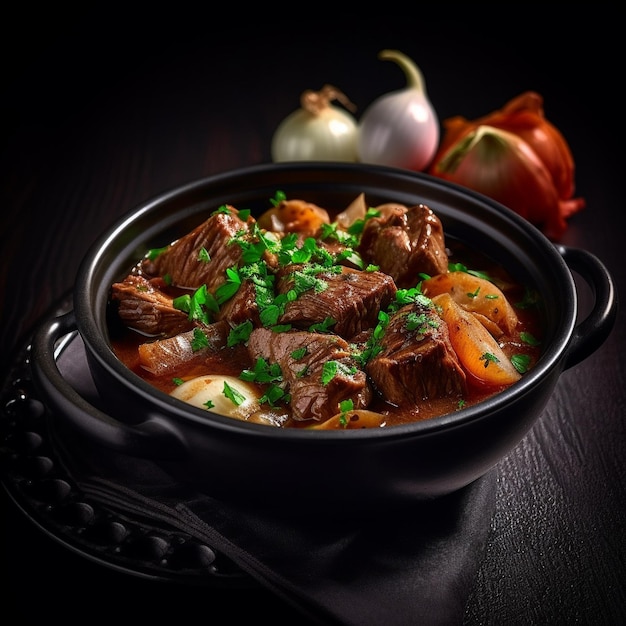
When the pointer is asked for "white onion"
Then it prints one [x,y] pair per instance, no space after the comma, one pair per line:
[401,128]
[318,131]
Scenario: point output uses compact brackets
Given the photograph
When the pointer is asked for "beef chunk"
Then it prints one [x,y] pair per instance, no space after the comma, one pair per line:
[403,242]
[242,306]
[351,297]
[302,357]
[144,307]
[417,361]
[185,262]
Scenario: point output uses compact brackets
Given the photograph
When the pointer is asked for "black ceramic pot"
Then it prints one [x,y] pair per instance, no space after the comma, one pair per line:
[243,461]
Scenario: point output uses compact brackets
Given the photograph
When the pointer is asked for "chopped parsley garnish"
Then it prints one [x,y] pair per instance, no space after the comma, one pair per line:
[298,353]
[345,406]
[521,362]
[262,372]
[271,375]
[420,322]
[199,340]
[225,209]
[280,328]
[275,394]
[324,326]
[356,228]
[228,289]
[236,397]
[199,305]
[279,197]
[330,369]
[239,334]
[489,358]
[528,338]
[413,295]
[155,252]
[460,267]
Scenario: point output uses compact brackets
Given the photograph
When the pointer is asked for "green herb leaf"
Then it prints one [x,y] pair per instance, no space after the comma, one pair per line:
[233,395]
[199,340]
[528,338]
[489,358]
[153,253]
[324,326]
[298,353]
[239,334]
[279,196]
[521,362]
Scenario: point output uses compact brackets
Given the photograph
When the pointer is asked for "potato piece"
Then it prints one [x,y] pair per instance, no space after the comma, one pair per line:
[479,353]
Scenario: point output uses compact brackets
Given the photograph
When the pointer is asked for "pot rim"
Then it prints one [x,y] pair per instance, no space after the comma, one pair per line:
[165,405]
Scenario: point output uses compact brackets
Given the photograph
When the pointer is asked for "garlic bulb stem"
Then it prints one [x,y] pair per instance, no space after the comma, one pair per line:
[414,77]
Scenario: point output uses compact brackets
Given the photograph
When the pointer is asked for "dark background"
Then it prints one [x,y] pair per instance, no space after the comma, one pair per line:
[102,109]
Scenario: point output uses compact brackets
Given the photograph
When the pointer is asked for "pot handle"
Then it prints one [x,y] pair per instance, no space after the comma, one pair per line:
[591,332]
[154,438]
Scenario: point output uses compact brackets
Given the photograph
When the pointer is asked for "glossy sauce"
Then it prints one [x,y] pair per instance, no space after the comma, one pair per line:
[231,361]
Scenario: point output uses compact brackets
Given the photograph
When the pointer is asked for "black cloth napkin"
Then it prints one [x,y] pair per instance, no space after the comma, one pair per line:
[411,565]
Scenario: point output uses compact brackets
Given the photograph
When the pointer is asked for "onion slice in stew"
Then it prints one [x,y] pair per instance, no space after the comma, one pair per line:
[478,296]
[479,353]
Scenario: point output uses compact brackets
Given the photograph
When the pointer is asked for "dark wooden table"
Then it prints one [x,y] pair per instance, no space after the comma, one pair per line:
[103,112]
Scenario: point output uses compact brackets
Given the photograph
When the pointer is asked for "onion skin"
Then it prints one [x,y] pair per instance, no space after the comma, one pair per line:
[516,157]
[401,128]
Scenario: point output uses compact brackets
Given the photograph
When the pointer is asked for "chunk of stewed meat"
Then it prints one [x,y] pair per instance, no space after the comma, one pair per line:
[202,256]
[242,306]
[144,307]
[404,242]
[417,361]
[352,298]
[317,368]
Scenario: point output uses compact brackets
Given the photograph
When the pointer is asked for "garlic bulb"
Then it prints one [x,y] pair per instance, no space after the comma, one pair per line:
[318,131]
[400,129]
